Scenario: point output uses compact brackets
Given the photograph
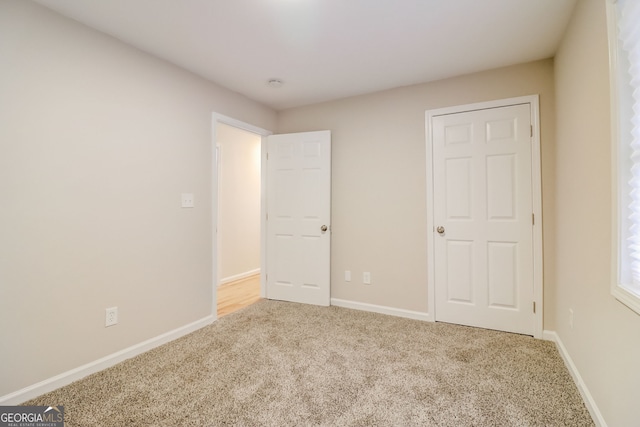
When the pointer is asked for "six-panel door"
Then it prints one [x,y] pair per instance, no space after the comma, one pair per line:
[299,209]
[483,202]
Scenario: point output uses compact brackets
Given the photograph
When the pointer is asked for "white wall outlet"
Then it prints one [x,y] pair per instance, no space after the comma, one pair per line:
[571,318]
[112,316]
[366,278]
[347,276]
[187,200]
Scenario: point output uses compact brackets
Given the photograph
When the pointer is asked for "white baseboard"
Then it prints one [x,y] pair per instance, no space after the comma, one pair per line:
[398,312]
[577,378]
[75,374]
[239,276]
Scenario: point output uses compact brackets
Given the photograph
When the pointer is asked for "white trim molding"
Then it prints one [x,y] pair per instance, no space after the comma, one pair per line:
[239,276]
[589,401]
[391,311]
[80,372]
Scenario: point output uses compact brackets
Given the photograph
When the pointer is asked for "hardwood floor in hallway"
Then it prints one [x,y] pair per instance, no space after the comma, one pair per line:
[239,294]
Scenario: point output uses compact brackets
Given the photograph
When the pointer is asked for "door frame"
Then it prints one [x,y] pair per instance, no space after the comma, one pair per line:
[536,193]
[216,119]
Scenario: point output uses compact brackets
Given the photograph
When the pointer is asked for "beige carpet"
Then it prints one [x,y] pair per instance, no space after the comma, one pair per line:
[284,364]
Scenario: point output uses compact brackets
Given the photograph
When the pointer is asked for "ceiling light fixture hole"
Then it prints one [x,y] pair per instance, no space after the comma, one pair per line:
[275,83]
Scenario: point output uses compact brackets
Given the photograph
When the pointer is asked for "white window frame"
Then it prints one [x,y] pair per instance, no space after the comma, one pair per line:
[622,287]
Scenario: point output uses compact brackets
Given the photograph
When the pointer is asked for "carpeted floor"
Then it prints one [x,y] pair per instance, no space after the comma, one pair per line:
[284,364]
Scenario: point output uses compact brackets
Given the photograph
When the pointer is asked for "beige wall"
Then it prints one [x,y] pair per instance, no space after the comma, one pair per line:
[605,340]
[379,209]
[239,202]
[97,142]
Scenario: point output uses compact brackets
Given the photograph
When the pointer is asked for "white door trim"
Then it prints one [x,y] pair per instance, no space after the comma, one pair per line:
[215,119]
[536,179]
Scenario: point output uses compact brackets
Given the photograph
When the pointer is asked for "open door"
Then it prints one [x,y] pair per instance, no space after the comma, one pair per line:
[299,217]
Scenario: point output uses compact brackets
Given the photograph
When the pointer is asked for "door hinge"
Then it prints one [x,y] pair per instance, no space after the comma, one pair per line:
[531,128]
[533,219]
[267,155]
[534,307]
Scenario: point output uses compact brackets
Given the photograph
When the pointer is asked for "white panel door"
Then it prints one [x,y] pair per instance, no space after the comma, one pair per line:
[298,217]
[483,234]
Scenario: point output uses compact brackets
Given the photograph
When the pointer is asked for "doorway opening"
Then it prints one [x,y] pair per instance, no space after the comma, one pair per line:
[238,251]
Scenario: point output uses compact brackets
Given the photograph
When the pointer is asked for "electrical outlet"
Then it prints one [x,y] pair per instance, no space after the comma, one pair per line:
[347,276]
[366,278]
[111,316]
[571,318]
[187,200]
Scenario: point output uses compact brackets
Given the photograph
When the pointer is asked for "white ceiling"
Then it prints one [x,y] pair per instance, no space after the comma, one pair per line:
[329,49]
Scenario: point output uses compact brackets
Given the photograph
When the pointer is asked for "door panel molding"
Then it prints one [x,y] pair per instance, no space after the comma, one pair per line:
[299,217]
[458,134]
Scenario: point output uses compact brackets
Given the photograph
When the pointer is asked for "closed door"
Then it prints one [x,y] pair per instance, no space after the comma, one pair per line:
[298,217]
[482,210]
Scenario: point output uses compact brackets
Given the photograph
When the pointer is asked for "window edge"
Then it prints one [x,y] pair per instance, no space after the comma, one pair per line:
[623,293]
